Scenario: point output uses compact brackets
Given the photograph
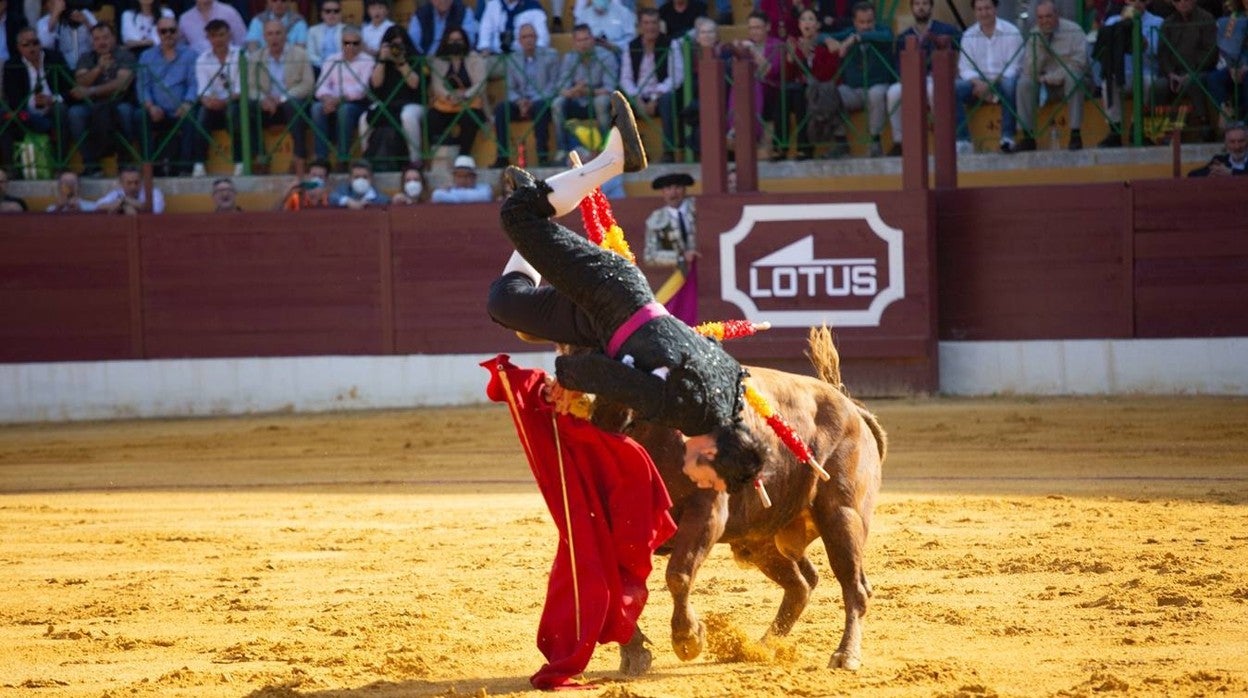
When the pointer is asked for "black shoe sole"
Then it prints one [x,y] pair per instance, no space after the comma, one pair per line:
[622,118]
[515,178]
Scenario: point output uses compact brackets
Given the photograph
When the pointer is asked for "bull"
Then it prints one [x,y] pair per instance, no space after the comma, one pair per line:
[846,439]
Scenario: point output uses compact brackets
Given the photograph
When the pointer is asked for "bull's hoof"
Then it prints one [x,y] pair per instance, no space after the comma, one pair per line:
[635,661]
[845,660]
[689,645]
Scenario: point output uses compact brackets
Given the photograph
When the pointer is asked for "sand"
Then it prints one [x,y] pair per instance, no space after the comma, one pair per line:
[1064,547]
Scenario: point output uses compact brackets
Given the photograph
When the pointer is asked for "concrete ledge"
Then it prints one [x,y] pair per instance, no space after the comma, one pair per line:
[197,387]
[1096,367]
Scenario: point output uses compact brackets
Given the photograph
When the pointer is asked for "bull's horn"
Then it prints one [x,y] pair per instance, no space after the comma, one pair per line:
[823,474]
[762,494]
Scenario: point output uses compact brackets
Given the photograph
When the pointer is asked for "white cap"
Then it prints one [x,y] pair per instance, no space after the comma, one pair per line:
[465,162]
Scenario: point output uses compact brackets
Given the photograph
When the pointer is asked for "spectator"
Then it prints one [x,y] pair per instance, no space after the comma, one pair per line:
[12,20]
[358,191]
[224,196]
[67,31]
[588,74]
[679,15]
[9,204]
[105,77]
[464,188]
[988,70]
[672,242]
[378,12]
[810,69]
[1057,59]
[282,82]
[612,24]
[1226,83]
[1188,51]
[931,34]
[396,105]
[342,95]
[532,76]
[1113,50]
[166,96]
[866,51]
[138,25]
[37,82]
[649,71]
[282,11]
[783,15]
[705,36]
[310,192]
[766,52]
[217,84]
[194,25]
[430,20]
[501,21]
[130,196]
[412,189]
[325,39]
[1234,161]
[68,198]
[457,80]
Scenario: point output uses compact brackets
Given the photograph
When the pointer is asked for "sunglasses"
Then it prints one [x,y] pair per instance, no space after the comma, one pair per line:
[351,43]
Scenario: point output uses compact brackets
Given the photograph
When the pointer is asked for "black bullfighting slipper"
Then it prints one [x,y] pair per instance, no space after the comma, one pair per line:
[622,119]
[516,177]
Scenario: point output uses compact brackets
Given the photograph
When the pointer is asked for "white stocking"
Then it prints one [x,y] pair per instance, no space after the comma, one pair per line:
[570,186]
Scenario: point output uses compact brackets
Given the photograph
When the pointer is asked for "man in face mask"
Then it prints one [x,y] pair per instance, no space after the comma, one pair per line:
[358,191]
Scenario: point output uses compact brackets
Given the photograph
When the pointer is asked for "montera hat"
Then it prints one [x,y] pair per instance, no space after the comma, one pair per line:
[672,178]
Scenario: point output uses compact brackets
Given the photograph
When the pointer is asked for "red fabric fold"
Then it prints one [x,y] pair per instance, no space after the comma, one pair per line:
[614,515]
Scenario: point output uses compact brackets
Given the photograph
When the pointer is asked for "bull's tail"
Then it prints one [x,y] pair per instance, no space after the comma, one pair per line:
[827,363]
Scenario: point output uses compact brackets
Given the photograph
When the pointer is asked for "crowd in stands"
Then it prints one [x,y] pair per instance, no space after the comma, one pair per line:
[154,86]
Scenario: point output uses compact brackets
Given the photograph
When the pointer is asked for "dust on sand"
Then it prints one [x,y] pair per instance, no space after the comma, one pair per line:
[1071,547]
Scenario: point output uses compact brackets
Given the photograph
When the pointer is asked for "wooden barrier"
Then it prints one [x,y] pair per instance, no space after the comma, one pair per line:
[1149,259]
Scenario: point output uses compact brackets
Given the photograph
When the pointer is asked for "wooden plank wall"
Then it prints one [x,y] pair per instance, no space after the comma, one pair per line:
[1049,262]
[1153,259]
[1191,258]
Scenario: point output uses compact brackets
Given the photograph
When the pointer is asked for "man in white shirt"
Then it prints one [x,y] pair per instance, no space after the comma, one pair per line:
[502,19]
[342,95]
[988,69]
[194,24]
[464,188]
[130,197]
[649,69]
[612,24]
[325,39]
[67,31]
[218,84]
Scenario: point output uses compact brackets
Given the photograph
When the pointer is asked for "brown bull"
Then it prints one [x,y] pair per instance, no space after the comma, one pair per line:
[850,444]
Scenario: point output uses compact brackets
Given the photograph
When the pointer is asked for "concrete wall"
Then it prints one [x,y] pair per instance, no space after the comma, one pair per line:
[198,387]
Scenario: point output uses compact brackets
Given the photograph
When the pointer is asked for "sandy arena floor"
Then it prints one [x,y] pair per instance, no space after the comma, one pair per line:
[1021,548]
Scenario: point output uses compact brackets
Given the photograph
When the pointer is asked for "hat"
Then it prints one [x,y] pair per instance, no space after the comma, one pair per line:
[465,162]
[677,178]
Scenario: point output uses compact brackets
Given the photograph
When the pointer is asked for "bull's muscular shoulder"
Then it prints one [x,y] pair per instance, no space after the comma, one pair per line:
[803,400]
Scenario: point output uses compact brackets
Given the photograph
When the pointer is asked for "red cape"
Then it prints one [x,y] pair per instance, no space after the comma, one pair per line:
[611,509]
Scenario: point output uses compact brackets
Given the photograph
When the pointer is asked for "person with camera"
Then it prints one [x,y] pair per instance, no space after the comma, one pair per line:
[395,107]
[430,20]
[105,79]
[67,28]
[310,192]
